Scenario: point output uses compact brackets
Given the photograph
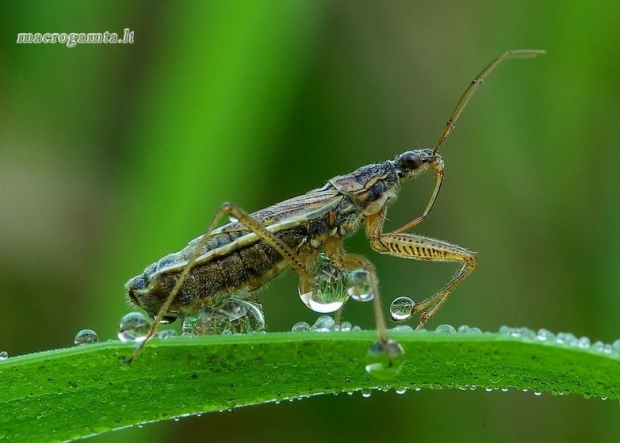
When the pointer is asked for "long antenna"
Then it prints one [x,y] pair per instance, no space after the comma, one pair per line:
[475,84]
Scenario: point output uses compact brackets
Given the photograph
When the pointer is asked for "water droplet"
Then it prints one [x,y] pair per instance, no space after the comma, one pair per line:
[300,326]
[469,330]
[166,333]
[3,355]
[359,287]
[232,316]
[346,326]
[537,393]
[316,301]
[134,326]
[323,324]
[400,391]
[401,308]
[86,337]
[545,335]
[326,291]
[584,343]
[385,359]
[565,338]
[446,329]
[402,328]
[366,393]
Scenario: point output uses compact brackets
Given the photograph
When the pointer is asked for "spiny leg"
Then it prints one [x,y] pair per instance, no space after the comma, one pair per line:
[248,222]
[417,247]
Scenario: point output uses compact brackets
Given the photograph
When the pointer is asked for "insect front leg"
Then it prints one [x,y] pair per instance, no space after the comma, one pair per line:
[418,247]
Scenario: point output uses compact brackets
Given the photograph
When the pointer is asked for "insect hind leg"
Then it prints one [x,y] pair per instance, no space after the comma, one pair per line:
[232,211]
[417,247]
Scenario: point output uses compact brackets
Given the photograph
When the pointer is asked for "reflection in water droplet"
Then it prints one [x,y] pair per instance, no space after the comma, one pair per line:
[317,301]
[366,393]
[134,326]
[401,308]
[233,316]
[359,287]
[86,337]
[4,355]
[385,359]
[400,391]
[326,290]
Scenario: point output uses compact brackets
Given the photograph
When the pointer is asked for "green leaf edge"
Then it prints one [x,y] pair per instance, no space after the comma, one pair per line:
[77,392]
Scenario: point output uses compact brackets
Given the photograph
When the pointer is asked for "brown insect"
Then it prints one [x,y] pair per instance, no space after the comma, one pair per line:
[306,233]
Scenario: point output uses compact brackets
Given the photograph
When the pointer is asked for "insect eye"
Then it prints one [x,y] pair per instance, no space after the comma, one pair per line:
[410,160]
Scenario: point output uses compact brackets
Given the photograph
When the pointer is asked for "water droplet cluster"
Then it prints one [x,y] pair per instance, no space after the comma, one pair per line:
[324,324]
[563,339]
[331,285]
[232,317]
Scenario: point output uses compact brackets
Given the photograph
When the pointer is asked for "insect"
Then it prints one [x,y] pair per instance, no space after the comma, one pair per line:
[306,234]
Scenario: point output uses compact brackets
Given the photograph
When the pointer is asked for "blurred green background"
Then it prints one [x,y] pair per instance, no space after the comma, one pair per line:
[112,156]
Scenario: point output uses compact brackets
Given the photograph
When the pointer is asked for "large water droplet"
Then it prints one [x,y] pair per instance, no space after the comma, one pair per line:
[358,285]
[326,290]
[4,355]
[233,316]
[86,337]
[401,308]
[385,359]
[134,326]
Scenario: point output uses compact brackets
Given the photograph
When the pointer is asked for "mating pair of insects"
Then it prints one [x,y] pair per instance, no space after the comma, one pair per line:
[306,233]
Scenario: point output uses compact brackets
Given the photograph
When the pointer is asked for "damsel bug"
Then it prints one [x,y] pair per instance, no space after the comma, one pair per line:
[221,270]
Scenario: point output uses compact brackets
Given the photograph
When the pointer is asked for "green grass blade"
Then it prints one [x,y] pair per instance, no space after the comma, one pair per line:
[71,393]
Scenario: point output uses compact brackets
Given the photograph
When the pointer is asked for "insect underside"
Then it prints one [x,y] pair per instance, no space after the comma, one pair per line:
[212,282]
